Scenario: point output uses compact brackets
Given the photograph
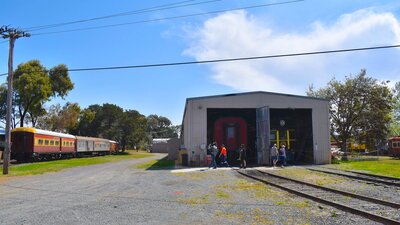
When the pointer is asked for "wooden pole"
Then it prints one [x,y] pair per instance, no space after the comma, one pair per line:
[12,35]
[7,150]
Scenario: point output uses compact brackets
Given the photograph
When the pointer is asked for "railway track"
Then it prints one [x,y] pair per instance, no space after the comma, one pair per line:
[389,181]
[371,208]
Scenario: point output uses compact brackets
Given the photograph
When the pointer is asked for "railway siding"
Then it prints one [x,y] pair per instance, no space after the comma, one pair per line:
[383,180]
[371,208]
[367,188]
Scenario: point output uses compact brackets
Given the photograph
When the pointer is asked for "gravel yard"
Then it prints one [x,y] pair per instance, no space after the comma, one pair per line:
[120,193]
[384,192]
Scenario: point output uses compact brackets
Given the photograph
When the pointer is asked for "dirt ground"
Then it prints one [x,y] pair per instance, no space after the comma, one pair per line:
[120,193]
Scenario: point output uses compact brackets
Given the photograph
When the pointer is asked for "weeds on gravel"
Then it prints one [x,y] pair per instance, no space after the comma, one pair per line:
[256,216]
[220,194]
[310,176]
[195,200]
[192,175]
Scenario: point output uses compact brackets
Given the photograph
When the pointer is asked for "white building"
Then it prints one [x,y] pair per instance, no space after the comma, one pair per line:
[258,120]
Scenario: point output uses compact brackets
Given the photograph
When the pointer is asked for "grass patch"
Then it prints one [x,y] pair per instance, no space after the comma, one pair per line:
[309,176]
[220,194]
[157,164]
[195,200]
[58,165]
[384,166]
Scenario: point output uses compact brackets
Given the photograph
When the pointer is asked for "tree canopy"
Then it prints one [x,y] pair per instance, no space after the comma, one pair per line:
[161,127]
[112,122]
[395,125]
[33,86]
[360,109]
[60,119]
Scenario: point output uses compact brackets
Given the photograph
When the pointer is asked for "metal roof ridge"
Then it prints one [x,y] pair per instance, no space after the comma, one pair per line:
[255,92]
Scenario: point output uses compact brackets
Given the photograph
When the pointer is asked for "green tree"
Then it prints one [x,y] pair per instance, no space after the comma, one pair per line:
[395,125]
[101,121]
[34,85]
[160,127]
[360,109]
[60,119]
[110,121]
[3,107]
[88,122]
[85,123]
[134,127]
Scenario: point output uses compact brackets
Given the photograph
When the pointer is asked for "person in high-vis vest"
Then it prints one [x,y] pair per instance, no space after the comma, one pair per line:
[223,156]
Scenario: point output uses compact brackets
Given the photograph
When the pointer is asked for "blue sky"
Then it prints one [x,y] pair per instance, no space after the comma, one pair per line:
[310,25]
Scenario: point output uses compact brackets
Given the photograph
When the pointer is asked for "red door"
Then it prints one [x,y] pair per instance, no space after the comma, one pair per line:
[232,132]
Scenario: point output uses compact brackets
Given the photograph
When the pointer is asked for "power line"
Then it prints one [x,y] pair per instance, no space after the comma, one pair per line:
[145,10]
[229,59]
[168,18]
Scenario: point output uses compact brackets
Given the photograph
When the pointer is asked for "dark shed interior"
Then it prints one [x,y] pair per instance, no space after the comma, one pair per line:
[292,127]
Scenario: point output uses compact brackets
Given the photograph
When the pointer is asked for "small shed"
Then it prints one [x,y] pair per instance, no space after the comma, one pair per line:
[258,120]
[166,145]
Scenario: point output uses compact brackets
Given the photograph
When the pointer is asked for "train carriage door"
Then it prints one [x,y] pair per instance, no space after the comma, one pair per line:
[231,136]
[263,131]
[231,131]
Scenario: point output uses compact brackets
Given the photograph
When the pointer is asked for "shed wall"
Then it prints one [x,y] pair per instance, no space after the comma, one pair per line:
[195,120]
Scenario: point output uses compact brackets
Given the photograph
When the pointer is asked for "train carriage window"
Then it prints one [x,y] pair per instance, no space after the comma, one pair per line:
[46,142]
[40,141]
[57,143]
[52,142]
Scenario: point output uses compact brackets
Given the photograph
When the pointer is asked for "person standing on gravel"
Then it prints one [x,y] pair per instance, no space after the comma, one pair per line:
[214,153]
[223,156]
[282,155]
[242,156]
[274,155]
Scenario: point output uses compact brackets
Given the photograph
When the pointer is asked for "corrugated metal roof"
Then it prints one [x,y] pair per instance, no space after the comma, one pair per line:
[256,92]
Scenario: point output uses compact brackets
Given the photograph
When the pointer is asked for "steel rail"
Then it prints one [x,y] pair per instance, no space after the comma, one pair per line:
[343,207]
[349,194]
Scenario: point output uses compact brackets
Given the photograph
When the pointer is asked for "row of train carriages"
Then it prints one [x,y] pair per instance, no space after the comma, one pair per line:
[31,144]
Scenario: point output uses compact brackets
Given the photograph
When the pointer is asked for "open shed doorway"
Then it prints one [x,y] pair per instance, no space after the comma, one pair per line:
[293,128]
[233,127]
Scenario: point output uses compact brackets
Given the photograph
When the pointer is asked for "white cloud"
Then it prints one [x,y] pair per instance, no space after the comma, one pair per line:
[238,34]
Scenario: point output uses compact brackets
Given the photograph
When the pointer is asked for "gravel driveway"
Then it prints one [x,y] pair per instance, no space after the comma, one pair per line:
[119,193]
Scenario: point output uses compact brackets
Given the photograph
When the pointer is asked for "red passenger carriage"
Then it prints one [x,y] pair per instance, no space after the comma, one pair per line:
[31,143]
[394,147]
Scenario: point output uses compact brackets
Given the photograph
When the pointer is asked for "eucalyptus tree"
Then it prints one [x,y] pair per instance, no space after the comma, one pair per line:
[34,85]
[360,109]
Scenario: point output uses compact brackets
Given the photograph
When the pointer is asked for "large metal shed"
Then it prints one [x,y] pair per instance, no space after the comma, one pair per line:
[258,120]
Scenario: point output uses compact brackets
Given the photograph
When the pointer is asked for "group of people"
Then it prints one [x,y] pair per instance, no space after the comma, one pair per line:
[213,149]
[277,155]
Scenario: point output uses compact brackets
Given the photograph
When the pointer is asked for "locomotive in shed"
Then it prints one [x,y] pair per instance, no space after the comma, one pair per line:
[36,144]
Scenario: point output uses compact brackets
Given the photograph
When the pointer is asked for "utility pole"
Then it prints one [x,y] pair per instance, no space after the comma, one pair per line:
[12,34]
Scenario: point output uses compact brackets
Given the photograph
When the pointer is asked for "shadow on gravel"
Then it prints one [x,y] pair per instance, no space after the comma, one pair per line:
[162,164]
